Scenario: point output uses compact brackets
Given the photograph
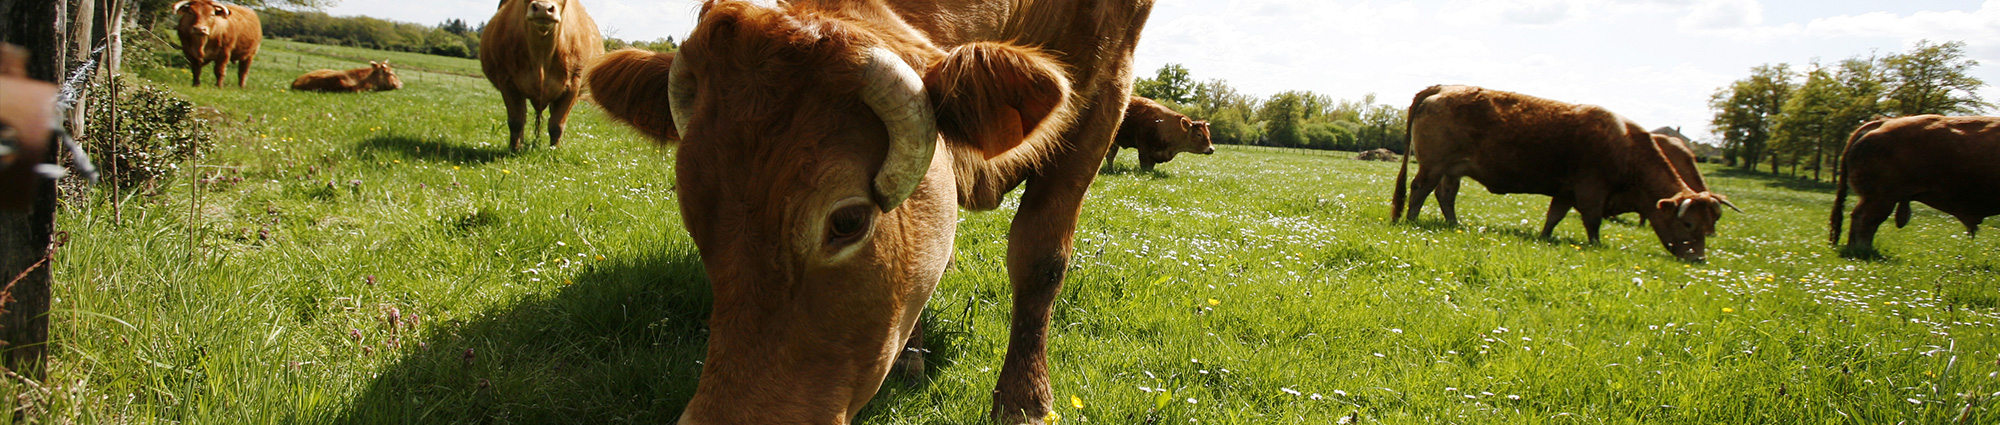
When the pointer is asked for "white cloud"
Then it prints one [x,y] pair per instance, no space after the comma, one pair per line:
[1723,15]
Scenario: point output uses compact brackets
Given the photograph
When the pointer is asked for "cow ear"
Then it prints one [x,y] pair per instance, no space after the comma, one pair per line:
[1186,124]
[631,84]
[994,97]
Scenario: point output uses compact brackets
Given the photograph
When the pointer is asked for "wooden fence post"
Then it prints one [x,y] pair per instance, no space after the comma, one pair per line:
[25,235]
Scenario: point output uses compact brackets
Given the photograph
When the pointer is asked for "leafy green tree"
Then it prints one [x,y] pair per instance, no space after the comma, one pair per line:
[1809,121]
[1170,84]
[1746,112]
[1231,114]
[1284,116]
[1933,79]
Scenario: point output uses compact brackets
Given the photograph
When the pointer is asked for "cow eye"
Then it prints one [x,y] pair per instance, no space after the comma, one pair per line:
[848,223]
[220,12]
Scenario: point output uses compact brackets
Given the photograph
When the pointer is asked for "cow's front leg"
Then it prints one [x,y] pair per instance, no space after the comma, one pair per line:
[559,116]
[1038,251]
[517,116]
[219,65]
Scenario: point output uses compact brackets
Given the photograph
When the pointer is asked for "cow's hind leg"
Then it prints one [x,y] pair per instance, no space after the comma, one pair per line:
[1558,208]
[1867,217]
[517,117]
[559,117]
[1590,208]
[242,72]
[1447,191]
[1420,188]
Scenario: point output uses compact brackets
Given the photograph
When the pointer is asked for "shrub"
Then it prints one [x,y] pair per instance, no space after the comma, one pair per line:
[157,132]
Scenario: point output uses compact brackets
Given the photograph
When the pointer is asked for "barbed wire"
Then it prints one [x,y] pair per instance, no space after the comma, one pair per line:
[66,96]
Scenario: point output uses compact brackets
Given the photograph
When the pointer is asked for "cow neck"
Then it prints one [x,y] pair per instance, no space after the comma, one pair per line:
[542,50]
[1660,181]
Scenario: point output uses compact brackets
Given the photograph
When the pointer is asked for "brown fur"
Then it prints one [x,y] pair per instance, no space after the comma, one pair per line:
[210,38]
[531,66]
[1585,157]
[806,326]
[1949,163]
[378,76]
[1158,133]
[1681,158]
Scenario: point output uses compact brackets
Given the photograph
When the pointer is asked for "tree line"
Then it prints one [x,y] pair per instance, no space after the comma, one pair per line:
[1293,119]
[299,22]
[1801,118]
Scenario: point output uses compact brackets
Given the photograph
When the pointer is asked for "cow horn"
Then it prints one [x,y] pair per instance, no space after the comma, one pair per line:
[1731,205]
[896,93]
[177,6]
[1684,208]
[680,94]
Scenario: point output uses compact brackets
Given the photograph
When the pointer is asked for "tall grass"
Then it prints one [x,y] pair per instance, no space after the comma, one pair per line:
[1251,286]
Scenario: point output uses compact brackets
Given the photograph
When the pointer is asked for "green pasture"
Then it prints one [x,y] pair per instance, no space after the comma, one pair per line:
[1252,286]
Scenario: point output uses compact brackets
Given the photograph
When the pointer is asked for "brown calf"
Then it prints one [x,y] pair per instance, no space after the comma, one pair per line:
[825,148]
[219,33]
[1158,133]
[378,76]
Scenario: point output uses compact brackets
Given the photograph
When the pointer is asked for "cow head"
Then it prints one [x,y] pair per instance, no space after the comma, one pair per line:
[1197,140]
[200,18]
[818,168]
[1684,222]
[384,77]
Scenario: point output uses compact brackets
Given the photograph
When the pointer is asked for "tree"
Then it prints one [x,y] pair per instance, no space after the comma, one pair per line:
[1933,79]
[1171,84]
[1809,120]
[1231,114]
[1746,111]
[152,10]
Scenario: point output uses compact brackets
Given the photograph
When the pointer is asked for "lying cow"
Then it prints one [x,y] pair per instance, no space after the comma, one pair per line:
[1584,156]
[1949,163]
[219,33]
[825,148]
[534,51]
[378,76]
[1158,133]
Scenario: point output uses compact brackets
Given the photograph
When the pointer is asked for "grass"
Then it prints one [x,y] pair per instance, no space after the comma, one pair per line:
[1252,286]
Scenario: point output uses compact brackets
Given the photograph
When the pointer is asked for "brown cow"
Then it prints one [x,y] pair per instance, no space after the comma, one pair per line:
[220,33]
[1584,156]
[825,147]
[535,51]
[378,76]
[1158,133]
[1683,160]
[1949,163]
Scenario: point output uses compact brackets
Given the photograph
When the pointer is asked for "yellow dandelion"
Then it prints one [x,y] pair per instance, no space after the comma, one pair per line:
[506,171]
[569,282]
[396,161]
[1076,402]
[1052,418]
[1212,301]
[1728,310]
[454,167]
[600,257]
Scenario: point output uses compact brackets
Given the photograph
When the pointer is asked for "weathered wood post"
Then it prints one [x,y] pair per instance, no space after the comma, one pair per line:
[25,234]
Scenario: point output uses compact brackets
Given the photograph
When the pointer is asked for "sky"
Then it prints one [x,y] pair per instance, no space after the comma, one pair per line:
[1655,61]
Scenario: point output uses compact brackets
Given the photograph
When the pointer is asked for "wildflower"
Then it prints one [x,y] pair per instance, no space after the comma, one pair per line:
[1076,402]
[506,171]
[1728,310]
[1289,391]
[1212,301]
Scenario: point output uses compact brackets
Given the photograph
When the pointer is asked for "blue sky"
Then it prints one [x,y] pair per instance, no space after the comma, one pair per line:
[1655,61]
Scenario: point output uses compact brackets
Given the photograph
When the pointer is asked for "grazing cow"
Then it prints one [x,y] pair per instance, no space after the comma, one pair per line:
[378,76]
[1949,163]
[535,51]
[1584,156]
[217,32]
[1683,160]
[1158,133]
[824,149]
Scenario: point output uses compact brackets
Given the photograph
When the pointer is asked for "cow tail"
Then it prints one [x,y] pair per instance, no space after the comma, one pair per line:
[1396,201]
[1841,170]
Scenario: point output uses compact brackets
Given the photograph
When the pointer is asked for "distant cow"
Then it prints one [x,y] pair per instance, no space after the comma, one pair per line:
[1949,163]
[1584,156]
[1158,133]
[219,33]
[534,51]
[378,76]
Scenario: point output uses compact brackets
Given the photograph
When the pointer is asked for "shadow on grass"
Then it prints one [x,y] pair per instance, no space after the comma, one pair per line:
[1121,169]
[431,150]
[1776,181]
[620,345]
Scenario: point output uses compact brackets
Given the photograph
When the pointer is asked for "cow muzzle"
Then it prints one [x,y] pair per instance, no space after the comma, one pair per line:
[544,13]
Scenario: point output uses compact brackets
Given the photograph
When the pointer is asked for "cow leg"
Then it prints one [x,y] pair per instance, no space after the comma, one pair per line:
[910,363]
[539,107]
[559,116]
[194,68]
[1037,258]
[1971,223]
[219,64]
[242,72]
[1110,158]
[1420,188]
[1558,208]
[1868,216]
[1145,164]
[1590,207]
[1447,191]
[517,117]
